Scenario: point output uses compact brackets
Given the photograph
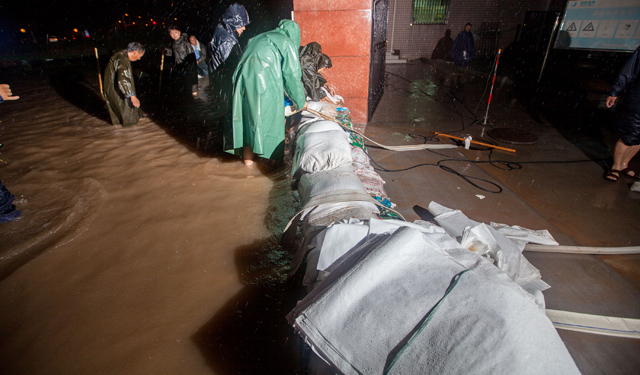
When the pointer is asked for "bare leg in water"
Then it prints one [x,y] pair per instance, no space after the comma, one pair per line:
[247,156]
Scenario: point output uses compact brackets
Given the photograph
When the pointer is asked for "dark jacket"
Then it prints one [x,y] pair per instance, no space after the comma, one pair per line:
[311,79]
[181,49]
[225,36]
[464,49]
[118,88]
[628,80]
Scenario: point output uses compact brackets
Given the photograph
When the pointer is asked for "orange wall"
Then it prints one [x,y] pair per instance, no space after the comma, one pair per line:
[343,28]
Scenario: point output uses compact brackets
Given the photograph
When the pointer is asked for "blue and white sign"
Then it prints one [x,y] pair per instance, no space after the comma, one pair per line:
[601,25]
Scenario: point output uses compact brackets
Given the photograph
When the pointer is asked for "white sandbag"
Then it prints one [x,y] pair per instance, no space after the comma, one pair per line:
[327,182]
[306,119]
[320,126]
[321,151]
[327,214]
[336,99]
[339,238]
[322,107]
[336,240]
[421,311]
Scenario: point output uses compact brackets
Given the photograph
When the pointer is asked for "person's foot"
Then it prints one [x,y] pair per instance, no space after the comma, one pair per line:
[612,175]
[199,76]
[628,172]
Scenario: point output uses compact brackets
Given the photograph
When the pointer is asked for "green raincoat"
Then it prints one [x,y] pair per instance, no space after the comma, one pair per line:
[268,67]
[118,87]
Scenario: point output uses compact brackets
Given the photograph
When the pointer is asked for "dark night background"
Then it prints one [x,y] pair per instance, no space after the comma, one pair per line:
[101,19]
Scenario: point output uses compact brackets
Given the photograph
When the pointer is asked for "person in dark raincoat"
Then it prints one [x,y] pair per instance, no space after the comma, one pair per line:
[628,119]
[464,47]
[269,67]
[8,210]
[119,88]
[225,38]
[312,66]
[463,51]
[184,58]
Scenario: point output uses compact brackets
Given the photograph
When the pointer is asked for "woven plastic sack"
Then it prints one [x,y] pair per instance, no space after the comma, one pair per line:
[321,151]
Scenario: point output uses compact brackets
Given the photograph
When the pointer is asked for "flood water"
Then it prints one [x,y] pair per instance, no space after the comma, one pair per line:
[136,252]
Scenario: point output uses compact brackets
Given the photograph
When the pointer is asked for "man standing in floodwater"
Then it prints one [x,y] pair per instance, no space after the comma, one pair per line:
[119,88]
[269,66]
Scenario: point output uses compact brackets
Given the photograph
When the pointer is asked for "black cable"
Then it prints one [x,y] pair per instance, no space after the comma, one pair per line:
[504,165]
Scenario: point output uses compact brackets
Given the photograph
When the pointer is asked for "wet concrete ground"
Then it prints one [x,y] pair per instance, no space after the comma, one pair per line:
[570,199]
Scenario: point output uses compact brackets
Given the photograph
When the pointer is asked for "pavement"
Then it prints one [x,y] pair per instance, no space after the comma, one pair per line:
[556,185]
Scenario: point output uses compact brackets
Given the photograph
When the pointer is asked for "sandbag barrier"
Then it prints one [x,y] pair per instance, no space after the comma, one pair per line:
[341,200]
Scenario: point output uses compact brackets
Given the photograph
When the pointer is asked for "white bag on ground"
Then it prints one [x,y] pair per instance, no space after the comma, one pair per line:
[401,303]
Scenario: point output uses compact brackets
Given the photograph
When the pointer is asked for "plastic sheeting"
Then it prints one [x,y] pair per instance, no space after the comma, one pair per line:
[416,303]
[488,242]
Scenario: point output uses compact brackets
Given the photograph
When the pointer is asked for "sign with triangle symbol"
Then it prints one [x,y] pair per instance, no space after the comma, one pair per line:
[572,27]
[589,27]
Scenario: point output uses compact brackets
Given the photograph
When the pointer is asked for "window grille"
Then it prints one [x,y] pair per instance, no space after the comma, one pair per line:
[430,12]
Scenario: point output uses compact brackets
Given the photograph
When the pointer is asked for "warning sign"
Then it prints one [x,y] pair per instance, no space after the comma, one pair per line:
[589,28]
[572,28]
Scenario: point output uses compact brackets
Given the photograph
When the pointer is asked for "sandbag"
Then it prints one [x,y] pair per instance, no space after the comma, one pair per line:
[321,151]
[323,183]
[327,214]
[423,307]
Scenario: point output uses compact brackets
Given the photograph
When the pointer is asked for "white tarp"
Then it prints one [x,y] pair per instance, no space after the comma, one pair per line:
[399,303]
[487,241]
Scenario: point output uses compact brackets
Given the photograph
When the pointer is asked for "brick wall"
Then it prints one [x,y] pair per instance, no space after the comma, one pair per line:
[415,41]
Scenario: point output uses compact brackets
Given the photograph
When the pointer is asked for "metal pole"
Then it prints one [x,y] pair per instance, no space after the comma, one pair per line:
[544,62]
[393,24]
[161,68]
[99,74]
[493,82]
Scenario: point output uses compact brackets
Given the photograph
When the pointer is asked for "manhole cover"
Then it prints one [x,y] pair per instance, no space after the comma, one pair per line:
[515,136]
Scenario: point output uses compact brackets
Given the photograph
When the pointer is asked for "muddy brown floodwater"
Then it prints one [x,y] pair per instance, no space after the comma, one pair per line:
[134,254]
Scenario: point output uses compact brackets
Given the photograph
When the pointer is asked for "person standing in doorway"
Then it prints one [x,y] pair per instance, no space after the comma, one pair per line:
[462,52]
[119,87]
[628,119]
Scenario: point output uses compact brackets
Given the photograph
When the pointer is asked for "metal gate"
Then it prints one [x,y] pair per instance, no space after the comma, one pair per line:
[378,54]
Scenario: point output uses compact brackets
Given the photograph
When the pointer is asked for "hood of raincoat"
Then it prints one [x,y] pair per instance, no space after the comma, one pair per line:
[312,48]
[235,17]
[290,29]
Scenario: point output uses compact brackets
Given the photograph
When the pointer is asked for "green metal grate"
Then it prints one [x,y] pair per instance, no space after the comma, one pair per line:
[430,12]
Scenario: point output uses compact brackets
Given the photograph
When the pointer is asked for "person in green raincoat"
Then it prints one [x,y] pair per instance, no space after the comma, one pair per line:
[269,67]
[119,88]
